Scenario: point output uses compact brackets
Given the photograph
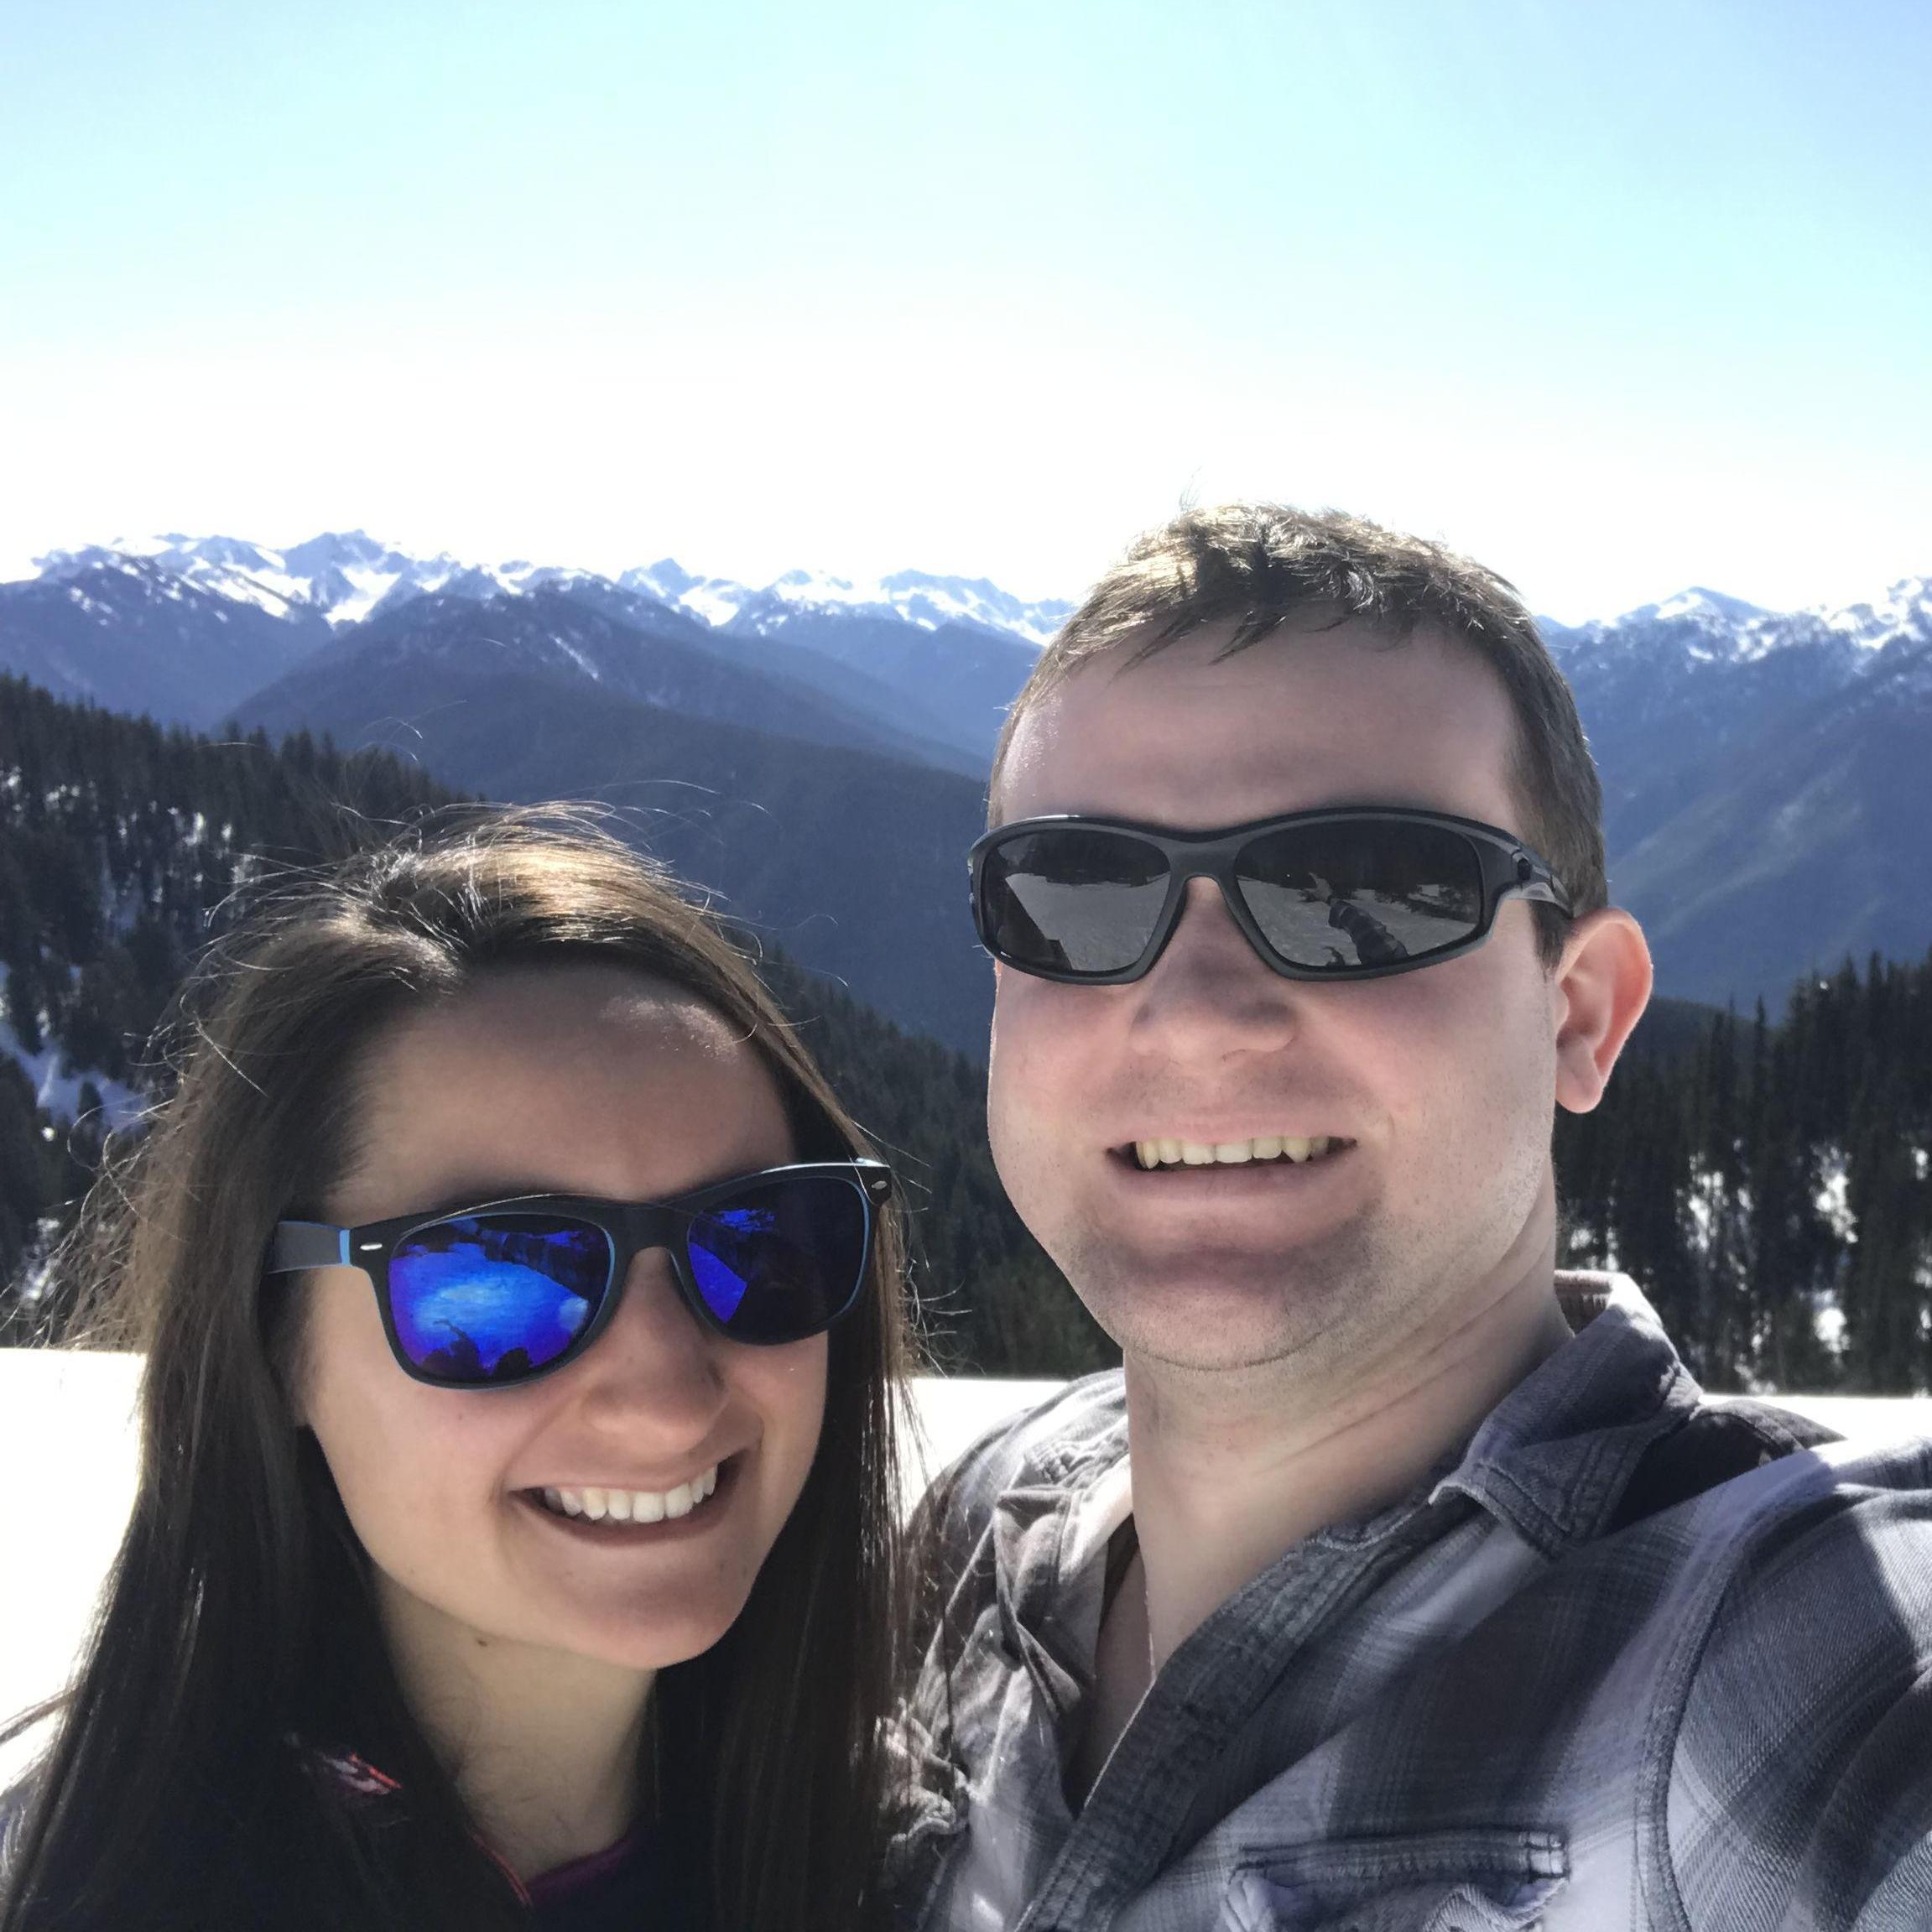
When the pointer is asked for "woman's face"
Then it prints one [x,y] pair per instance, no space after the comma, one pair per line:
[575,1078]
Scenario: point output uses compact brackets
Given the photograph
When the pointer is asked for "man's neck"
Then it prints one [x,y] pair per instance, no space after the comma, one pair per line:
[1230,1469]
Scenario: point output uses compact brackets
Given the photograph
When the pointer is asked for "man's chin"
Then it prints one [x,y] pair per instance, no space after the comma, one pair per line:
[1221,1313]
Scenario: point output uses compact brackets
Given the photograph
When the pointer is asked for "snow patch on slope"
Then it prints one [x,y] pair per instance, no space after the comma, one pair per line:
[57,1087]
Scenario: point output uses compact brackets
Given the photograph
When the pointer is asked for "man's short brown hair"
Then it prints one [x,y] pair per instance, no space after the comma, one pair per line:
[1257,567]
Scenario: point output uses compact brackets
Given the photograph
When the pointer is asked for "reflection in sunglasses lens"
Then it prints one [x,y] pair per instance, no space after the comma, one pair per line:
[1360,893]
[1074,898]
[779,1262]
[484,1298]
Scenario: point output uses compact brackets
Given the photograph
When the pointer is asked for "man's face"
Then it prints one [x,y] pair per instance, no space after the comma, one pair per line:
[1440,1082]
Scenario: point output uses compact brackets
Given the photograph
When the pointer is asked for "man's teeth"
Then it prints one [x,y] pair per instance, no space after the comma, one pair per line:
[633,1505]
[1163,1152]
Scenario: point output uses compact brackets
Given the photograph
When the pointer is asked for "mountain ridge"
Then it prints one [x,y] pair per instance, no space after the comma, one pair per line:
[852,860]
[346,576]
[671,666]
[1752,761]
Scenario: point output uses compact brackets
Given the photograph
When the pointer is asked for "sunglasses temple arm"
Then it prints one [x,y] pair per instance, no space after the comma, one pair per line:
[1544,893]
[1535,882]
[299,1244]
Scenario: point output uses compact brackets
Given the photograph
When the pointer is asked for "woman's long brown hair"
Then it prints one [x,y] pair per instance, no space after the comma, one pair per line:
[239,1624]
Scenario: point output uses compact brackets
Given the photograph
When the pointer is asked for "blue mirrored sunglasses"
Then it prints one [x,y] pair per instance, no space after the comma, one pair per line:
[502,1293]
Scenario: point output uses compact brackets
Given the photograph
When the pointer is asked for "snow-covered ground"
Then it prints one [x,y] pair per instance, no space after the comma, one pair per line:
[67,1461]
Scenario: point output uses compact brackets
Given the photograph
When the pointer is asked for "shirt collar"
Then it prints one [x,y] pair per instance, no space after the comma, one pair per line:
[1550,1461]
[1552,1458]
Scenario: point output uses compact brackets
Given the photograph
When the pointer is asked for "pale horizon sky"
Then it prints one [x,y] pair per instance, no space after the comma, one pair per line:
[1619,301]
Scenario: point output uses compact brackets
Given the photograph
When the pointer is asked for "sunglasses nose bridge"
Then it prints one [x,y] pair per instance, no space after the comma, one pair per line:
[648,1302]
[1215,862]
[1218,870]
[637,1231]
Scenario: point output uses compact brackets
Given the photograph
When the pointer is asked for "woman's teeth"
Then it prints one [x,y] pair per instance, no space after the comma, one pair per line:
[633,1505]
[1151,1154]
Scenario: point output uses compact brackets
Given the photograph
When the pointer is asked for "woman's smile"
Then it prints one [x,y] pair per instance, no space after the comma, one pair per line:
[688,1514]
[613,1502]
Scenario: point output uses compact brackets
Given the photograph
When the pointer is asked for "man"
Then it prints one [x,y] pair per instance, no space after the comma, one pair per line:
[1399,1581]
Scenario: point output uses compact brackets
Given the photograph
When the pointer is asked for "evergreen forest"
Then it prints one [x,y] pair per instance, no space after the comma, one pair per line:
[124,846]
[1766,1179]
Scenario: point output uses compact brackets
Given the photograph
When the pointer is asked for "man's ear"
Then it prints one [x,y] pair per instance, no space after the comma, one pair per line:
[1600,989]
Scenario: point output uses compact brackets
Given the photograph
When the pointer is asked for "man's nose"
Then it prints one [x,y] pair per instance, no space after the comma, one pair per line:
[1210,990]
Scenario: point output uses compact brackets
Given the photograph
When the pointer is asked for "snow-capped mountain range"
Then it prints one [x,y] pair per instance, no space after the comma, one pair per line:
[344,577]
[1710,625]
[1767,775]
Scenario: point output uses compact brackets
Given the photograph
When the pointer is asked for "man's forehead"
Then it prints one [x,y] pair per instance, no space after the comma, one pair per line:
[1192,735]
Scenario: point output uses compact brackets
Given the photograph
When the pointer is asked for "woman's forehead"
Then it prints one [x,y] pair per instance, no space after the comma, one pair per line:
[571,995]
[585,1080]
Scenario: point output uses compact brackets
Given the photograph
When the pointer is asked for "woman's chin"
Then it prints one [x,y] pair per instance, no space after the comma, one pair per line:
[658,1642]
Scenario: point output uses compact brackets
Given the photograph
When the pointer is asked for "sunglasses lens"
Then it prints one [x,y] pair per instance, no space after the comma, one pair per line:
[1362,892]
[1071,900]
[489,1297]
[781,1259]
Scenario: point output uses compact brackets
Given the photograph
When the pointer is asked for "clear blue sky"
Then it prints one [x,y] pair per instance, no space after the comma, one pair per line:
[1621,298]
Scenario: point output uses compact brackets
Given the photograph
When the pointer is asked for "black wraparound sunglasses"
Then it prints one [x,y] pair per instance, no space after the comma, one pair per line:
[1343,893]
[502,1293]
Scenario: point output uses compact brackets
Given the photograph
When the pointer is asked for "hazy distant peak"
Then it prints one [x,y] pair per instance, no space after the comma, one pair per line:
[667,572]
[1905,610]
[1698,602]
[713,601]
[1701,625]
[916,597]
[339,550]
[57,565]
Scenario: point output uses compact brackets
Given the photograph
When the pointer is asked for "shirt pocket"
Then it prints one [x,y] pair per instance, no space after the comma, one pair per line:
[1487,1881]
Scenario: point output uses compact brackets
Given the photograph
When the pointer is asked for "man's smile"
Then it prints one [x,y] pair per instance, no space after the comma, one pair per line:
[1173,1151]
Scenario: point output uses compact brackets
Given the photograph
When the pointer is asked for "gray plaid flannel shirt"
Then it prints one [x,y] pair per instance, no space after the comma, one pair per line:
[1480,1710]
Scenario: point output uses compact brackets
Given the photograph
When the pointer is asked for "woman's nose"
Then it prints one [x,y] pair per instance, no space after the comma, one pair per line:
[653,1367]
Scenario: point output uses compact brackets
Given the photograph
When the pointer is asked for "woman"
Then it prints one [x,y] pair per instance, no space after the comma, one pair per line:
[491,1565]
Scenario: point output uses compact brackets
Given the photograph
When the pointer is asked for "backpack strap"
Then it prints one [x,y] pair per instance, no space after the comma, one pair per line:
[1715,1443]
